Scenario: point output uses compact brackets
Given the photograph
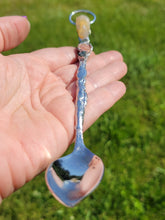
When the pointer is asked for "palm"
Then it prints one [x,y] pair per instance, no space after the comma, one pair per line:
[37,107]
[37,113]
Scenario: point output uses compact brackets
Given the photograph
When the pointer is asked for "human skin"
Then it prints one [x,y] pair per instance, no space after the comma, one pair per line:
[89,180]
[37,102]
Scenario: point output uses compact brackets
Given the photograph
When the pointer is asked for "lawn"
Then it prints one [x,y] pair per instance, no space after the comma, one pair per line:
[130,137]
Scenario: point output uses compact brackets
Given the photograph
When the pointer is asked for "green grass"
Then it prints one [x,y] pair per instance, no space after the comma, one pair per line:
[131,134]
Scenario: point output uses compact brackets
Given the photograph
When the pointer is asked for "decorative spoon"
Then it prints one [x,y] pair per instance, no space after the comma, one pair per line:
[73,177]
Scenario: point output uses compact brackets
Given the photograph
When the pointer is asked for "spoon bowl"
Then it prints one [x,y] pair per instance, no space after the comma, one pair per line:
[72,177]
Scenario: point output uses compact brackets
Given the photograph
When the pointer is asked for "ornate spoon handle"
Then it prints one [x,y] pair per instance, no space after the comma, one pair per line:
[84,49]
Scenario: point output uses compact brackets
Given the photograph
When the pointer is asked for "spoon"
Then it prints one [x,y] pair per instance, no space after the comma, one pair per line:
[73,177]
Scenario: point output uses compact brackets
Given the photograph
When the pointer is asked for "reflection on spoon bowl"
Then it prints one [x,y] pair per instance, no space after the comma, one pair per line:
[73,177]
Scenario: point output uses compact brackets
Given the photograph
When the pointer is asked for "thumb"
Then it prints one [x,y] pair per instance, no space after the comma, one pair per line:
[13,30]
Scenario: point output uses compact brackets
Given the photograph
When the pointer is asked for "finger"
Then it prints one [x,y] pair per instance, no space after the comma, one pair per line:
[112,72]
[13,30]
[57,57]
[101,99]
[99,61]
[94,63]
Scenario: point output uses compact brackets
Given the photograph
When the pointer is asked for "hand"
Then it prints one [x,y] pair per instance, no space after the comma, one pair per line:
[37,102]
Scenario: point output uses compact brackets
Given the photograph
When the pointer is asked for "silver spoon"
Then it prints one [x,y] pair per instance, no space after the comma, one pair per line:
[73,177]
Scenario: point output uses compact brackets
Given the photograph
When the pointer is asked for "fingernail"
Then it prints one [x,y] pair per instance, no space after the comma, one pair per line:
[24,16]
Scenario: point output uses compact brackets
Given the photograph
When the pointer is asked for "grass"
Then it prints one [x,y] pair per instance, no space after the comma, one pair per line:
[131,134]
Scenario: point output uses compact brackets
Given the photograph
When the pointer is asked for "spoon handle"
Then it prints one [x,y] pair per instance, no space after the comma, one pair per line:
[84,50]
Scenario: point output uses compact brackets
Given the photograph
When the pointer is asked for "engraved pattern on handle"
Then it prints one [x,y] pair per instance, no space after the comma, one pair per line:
[84,50]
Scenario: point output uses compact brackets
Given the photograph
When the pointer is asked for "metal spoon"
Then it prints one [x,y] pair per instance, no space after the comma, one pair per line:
[73,177]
